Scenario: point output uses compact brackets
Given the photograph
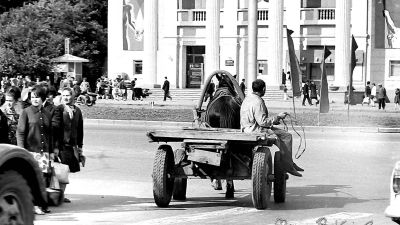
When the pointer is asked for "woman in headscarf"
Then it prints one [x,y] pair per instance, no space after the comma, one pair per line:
[70,135]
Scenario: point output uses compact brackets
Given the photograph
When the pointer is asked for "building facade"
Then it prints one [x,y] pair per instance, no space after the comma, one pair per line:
[154,39]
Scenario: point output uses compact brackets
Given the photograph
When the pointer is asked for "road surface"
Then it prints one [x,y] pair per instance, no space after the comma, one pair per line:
[346,179]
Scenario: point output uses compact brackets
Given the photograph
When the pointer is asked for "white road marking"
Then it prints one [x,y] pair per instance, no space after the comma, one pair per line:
[334,219]
[198,216]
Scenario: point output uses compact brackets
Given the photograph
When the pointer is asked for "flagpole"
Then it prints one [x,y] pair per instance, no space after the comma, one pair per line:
[294,106]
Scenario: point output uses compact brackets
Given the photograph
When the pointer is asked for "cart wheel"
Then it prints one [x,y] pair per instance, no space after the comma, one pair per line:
[262,163]
[163,182]
[180,185]
[280,179]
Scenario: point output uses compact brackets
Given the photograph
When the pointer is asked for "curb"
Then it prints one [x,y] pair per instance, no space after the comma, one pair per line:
[144,123]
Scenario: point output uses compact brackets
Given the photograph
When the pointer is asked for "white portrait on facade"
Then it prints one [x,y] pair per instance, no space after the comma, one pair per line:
[393,35]
[132,25]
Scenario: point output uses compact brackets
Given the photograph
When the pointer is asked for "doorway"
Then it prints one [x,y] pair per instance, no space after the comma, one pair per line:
[195,66]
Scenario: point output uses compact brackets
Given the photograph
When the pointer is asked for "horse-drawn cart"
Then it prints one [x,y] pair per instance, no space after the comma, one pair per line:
[216,153]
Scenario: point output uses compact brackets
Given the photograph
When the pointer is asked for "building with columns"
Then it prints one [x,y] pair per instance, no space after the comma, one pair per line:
[186,40]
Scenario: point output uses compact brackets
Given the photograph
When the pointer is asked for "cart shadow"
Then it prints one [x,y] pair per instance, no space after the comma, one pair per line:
[103,203]
[317,197]
[297,198]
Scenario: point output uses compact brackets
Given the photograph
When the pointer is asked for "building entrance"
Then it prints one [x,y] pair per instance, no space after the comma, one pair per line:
[195,66]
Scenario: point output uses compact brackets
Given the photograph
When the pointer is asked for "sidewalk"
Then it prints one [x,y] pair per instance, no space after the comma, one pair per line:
[274,104]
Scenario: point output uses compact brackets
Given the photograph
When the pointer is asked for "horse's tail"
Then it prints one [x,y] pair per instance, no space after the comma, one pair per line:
[223,112]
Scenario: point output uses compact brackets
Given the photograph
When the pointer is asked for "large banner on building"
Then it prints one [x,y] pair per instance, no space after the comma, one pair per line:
[132,25]
[387,24]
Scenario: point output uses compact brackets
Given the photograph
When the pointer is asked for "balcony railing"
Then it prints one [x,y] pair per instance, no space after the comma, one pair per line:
[194,15]
[243,15]
[262,14]
[317,14]
[199,15]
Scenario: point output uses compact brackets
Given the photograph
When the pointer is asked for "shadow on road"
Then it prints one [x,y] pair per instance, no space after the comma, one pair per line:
[297,198]
[316,197]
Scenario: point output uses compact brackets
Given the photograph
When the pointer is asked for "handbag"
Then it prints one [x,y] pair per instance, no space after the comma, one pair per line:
[54,193]
[62,172]
[43,159]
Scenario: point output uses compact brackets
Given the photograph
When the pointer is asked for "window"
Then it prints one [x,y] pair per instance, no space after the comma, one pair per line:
[195,4]
[394,68]
[137,66]
[71,67]
[318,3]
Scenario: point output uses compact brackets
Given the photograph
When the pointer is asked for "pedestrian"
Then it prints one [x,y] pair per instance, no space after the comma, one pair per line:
[288,76]
[77,88]
[4,139]
[254,118]
[306,93]
[313,92]
[69,139]
[367,92]
[285,95]
[397,99]
[12,110]
[210,91]
[34,134]
[123,89]
[381,95]
[373,94]
[133,84]
[165,87]
[85,86]
[243,86]
[283,77]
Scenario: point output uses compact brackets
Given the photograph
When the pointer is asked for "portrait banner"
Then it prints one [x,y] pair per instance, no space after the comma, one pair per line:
[132,25]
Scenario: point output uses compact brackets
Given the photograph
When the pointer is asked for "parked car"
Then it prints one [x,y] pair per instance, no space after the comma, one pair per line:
[393,210]
[21,183]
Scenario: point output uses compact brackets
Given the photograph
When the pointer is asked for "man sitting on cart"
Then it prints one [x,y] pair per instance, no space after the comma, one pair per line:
[254,118]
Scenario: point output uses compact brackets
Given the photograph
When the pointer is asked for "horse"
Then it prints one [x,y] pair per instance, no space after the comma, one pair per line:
[223,111]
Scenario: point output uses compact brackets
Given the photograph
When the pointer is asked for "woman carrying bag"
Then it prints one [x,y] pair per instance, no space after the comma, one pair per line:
[34,134]
[69,138]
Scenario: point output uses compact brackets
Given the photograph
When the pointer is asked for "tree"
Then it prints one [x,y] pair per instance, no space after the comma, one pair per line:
[32,35]
[6,5]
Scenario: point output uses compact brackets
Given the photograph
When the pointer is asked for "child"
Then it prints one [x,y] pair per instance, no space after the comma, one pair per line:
[285,95]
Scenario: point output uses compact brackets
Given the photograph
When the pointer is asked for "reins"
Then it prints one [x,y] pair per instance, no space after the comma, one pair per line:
[300,151]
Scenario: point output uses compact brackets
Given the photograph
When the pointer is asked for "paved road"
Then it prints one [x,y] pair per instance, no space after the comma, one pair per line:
[346,179]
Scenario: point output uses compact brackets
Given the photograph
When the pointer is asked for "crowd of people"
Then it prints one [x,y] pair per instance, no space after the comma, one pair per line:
[44,121]
[377,94]
[117,89]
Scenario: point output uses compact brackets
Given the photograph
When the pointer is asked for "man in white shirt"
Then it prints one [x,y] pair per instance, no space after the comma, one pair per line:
[373,94]
[254,118]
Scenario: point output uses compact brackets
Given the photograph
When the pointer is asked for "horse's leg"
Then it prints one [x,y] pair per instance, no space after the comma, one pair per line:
[216,184]
[230,189]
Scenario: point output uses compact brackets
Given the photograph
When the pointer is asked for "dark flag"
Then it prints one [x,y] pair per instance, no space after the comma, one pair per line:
[324,101]
[354,46]
[295,71]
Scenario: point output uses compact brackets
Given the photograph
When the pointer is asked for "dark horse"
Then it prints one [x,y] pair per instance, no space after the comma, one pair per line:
[223,111]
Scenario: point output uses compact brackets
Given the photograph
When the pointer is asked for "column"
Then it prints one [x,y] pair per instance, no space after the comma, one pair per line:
[252,69]
[212,37]
[150,41]
[276,43]
[342,42]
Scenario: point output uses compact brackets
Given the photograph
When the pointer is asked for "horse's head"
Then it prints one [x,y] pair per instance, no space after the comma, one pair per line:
[223,111]
[225,82]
